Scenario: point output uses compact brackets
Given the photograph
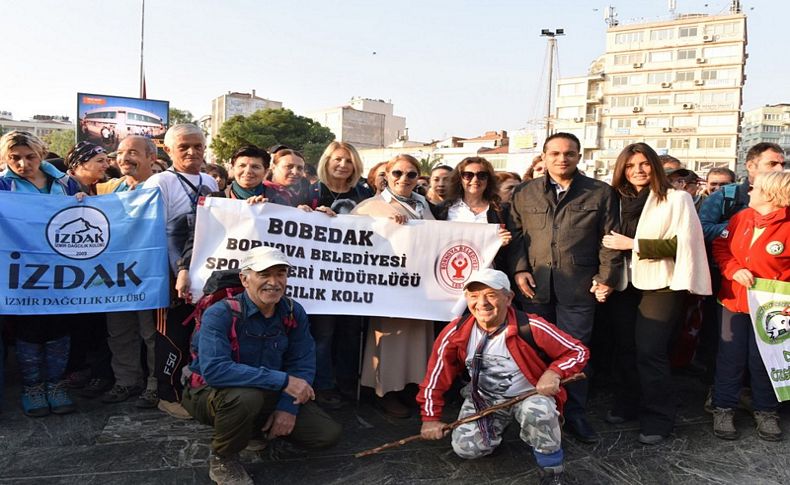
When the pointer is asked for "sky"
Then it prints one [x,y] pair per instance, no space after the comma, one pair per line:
[452,68]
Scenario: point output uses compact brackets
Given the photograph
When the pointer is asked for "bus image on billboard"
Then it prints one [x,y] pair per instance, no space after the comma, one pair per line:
[106,120]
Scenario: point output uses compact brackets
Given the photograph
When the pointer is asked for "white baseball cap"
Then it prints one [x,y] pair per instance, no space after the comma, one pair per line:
[262,258]
[490,277]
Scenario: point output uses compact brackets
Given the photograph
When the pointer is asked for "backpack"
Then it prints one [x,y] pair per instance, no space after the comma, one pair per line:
[733,202]
[225,286]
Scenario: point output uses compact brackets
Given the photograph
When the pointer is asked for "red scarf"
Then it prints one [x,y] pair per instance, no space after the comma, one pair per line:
[762,221]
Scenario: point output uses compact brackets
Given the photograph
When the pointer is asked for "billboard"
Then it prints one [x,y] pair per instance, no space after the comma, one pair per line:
[106,120]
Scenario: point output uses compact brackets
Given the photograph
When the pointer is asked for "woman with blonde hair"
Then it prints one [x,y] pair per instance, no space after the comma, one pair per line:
[755,244]
[338,186]
[397,349]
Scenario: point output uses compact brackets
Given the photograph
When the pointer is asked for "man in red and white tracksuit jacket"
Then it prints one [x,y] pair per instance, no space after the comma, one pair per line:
[493,343]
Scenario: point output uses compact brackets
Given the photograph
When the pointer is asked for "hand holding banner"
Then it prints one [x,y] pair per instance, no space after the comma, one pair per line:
[353,265]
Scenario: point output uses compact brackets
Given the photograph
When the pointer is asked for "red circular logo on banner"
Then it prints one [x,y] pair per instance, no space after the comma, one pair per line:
[454,266]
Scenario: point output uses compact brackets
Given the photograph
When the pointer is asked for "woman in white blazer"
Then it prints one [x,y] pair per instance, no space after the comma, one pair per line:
[661,238]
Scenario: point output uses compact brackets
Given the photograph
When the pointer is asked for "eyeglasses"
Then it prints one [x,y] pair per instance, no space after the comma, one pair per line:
[409,175]
[468,176]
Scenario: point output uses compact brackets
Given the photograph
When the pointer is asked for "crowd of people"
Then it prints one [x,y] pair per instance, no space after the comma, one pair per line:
[633,255]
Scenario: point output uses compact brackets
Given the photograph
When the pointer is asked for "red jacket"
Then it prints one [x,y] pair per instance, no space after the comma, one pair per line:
[449,356]
[768,257]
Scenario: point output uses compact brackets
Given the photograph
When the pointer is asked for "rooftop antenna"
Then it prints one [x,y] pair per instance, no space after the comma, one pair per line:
[673,6]
[552,50]
[610,17]
[735,6]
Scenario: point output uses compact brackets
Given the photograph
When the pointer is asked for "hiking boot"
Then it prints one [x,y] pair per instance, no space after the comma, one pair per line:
[120,393]
[708,406]
[59,400]
[724,424]
[78,379]
[174,409]
[147,400]
[768,425]
[392,406]
[550,475]
[228,471]
[34,401]
[95,388]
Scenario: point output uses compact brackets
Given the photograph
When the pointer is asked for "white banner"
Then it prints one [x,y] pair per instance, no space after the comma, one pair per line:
[769,305]
[348,265]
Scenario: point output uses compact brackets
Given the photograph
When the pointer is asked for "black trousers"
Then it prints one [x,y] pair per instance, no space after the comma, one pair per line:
[644,323]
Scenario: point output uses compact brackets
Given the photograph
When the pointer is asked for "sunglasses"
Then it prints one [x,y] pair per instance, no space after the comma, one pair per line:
[399,173]
[468,176]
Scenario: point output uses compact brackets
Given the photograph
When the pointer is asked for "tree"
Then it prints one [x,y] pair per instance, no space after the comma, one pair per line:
[427,164]
[269,127]
[180,116]
[60,141]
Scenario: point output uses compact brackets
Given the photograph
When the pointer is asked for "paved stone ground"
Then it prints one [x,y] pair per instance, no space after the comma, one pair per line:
[119,444]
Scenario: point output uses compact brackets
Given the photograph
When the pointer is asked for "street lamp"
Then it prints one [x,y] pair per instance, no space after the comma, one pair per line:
[551,35]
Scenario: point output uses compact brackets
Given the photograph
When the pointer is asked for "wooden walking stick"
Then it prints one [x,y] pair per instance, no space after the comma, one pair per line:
[468,419]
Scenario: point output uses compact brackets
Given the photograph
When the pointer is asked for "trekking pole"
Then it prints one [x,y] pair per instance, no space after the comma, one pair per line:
[468,419]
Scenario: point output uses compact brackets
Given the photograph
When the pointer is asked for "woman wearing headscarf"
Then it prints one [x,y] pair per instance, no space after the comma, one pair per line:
[397,349]
[42,345]
[87,163]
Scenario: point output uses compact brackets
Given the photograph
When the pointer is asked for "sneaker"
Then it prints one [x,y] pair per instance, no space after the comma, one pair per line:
[328,399]
[724,424]
[147,400]
[768,425]
[120,393]
[227,471]
[550,475]
[651,439]
[95,388]
[34,401]
[59,400]
[174,409]
[78,379]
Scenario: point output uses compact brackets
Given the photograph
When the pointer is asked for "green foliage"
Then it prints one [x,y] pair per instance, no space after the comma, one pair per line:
[60,141]
[180,116]
[427,164]
[269,127]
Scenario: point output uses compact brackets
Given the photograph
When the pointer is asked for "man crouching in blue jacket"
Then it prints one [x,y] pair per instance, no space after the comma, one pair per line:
[252,369]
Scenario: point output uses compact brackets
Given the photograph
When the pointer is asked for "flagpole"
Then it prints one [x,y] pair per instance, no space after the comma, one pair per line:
[142,39]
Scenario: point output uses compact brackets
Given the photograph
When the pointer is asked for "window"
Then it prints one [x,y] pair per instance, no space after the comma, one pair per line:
[627,59]
[687,32]
[681,98]
[721,77]
[569,112]
[683,121]
[687,54]
[571,89]
[661,34]
[681,76]
[629,37]
[660,143]
[728,29]
[656,122]
[659,77]
[657,99]
[679,143]
[621,123]
[660,56]
[626,80]
[718,120]
[717,98]
[721,51]
[619,80]
[771,129]
[718,142]
[624,101]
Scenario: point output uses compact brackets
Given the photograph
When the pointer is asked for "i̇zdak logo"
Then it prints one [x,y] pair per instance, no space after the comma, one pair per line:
[454,266]
[79,232]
